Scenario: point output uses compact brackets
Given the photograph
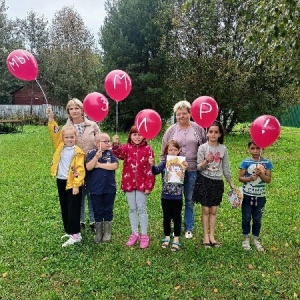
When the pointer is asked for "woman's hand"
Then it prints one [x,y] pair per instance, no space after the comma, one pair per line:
[49,113]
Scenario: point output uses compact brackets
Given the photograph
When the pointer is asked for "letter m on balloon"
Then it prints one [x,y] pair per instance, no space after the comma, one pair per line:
[120,78]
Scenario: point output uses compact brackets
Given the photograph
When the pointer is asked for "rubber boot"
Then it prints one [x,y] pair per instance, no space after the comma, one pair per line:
[107,231]
[99,232]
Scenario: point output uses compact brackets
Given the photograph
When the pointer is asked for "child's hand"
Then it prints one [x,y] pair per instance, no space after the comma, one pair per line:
[115,139]
[98,154]
[209,157]
[253,177]
[75,191]
[151,161]
[147,192]
[185,164]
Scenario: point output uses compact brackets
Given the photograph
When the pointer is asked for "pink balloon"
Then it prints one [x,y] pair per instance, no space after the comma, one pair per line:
[22,65]
[117,85]
[95,106]
[148,123]
[204,111]
[265,130]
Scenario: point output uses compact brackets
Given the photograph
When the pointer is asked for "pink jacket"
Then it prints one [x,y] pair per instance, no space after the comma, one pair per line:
[136,173]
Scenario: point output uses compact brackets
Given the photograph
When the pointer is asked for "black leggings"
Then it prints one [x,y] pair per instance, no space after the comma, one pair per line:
[171,211]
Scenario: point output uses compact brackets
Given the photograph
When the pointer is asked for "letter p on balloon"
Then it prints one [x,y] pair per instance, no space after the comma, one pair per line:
[204,111]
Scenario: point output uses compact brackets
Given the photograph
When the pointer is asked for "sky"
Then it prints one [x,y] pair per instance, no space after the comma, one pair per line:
[91,11]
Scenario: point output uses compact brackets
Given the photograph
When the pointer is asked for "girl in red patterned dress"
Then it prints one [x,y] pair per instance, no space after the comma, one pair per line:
[137,182]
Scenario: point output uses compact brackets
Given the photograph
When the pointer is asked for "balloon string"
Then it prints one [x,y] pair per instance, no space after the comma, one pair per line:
[117,117]
[42,92]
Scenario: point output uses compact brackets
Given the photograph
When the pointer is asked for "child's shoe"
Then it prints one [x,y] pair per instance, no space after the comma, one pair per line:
[72,240]
[132,239]
[144,241]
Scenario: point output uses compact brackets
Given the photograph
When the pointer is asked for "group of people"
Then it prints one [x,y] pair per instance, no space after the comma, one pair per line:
[85,161]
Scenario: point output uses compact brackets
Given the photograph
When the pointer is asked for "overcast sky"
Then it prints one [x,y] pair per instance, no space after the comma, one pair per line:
[91,11]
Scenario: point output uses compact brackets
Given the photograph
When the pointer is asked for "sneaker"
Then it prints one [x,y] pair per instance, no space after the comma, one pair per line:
[66,235]
[144,241]
[188,234]
[72,241]
[132,239]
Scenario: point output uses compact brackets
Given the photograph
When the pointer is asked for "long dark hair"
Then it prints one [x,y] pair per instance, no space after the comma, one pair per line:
[221,129]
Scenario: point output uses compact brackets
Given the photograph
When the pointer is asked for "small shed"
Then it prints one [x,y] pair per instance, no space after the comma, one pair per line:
[30,94]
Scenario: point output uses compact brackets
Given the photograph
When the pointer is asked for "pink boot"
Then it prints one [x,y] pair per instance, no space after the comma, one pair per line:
[132,239]
[144,241]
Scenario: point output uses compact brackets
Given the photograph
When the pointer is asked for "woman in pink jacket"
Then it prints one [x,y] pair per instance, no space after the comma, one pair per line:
[137,182]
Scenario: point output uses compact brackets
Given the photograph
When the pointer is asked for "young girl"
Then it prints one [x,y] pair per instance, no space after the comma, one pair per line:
[68,167]
[137,181]
[101,165]
[255,172]
[212,163]
[171,197]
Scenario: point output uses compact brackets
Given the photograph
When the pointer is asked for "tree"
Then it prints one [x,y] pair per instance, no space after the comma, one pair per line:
[211,59]
[32,32]
[7,82]
[70,66]
[275,34]
[134,38]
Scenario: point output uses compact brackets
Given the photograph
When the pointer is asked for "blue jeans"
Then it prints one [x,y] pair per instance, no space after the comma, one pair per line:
[86,193]
[189,183]
[103,206]
[252,207]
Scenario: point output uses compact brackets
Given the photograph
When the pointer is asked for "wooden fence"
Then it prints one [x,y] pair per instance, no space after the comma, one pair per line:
[292,117]
[21,112]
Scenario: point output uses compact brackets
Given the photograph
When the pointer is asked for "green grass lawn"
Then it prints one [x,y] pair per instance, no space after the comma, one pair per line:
[33,265]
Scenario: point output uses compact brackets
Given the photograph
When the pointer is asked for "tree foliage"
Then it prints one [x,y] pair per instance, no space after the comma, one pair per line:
[275,34]
[32,32]
[211,58]
[134,39]
[7,82]
[70,66]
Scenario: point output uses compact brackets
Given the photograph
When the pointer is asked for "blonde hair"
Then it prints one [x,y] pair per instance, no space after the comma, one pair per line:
[69,127]
[181,105]
[75,102]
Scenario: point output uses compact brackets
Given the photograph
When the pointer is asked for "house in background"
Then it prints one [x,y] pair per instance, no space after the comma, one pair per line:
[28,101]
[30,94]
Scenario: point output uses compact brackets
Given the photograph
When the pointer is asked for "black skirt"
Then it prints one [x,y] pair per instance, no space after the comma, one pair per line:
[208,192]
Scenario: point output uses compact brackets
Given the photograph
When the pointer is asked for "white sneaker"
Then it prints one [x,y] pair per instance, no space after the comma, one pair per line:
[66,236]
[188,235]
[72,241]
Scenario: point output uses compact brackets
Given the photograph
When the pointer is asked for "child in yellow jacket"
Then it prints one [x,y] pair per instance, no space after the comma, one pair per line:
[68,167]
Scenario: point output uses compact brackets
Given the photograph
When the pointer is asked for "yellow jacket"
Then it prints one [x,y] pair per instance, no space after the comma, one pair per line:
[76,172]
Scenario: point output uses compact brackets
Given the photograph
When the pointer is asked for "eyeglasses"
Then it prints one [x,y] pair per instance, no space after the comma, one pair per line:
[106,142]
